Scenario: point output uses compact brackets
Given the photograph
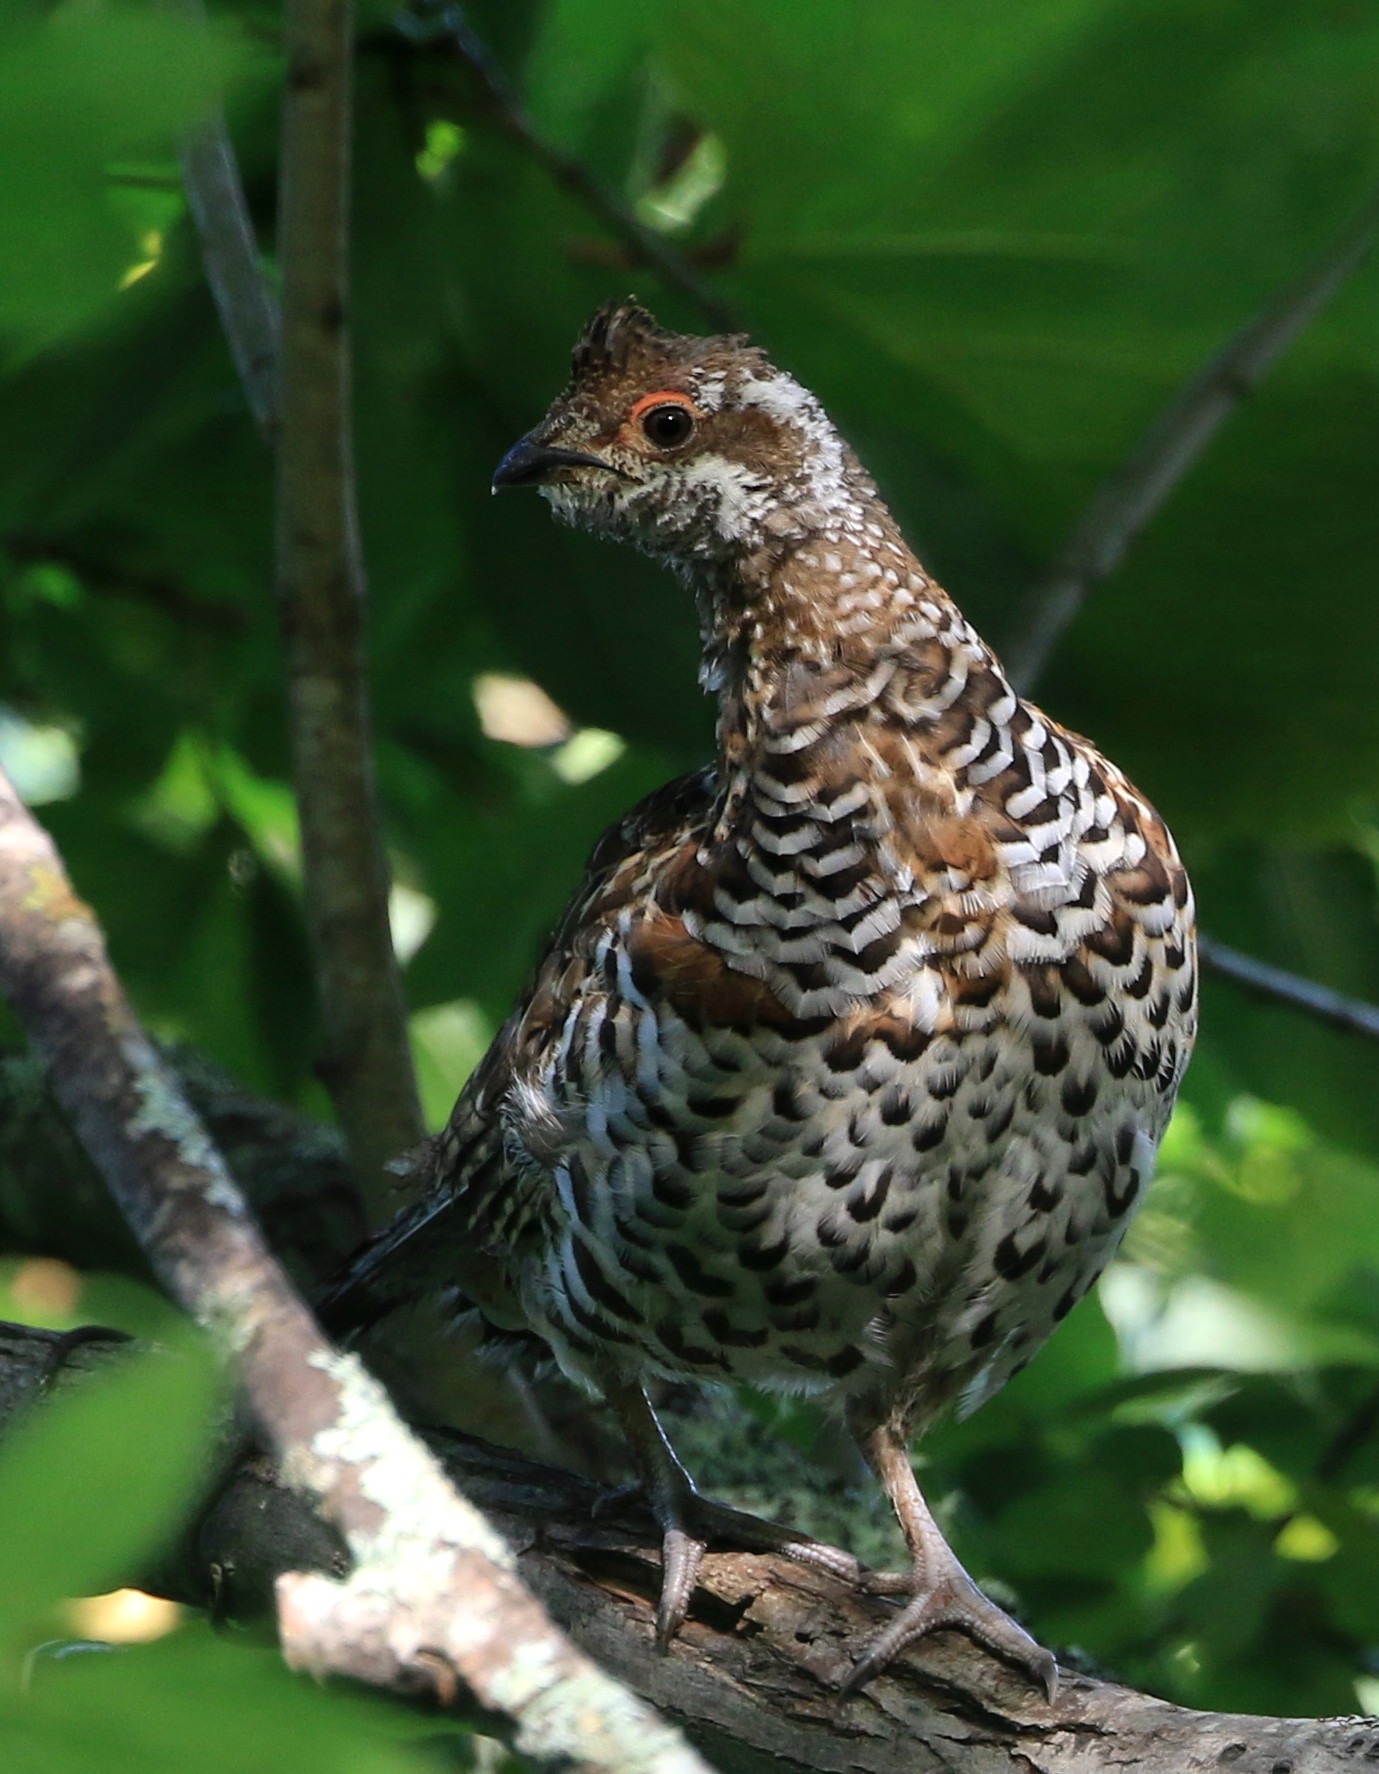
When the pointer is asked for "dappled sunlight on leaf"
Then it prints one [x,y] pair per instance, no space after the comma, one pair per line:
[1177,1555]
[1218,1477]
[518,711]
[43,1291]
[444,143]
[586,754]
[1308,1539]
[42,762]
[123,1617]
[411,916]
[675,203]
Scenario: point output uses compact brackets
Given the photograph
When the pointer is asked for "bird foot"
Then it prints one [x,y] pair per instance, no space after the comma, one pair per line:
[948,1600]
[691,1523]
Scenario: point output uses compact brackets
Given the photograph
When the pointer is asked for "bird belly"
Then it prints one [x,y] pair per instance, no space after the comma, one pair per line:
[741,1206]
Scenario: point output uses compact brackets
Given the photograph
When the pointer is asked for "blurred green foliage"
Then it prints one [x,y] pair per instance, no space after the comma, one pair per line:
[994,239]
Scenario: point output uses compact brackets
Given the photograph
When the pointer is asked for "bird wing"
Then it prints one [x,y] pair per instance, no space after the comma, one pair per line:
[475,1202]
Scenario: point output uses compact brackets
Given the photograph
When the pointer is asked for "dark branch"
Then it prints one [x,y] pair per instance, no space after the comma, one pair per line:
[367,1064]
[754,1677]
[294,1171]
[447,27]
[415,1543]
[1265,980]
[1176,437]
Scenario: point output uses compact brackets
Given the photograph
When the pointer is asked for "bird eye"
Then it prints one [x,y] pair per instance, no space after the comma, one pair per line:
[668,424]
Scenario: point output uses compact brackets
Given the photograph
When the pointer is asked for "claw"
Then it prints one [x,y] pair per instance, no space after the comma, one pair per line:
[689,1522]
[952,1602]
[681,1556]
[697,1523]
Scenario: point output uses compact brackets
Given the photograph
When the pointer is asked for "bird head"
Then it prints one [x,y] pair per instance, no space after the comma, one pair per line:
[688,447]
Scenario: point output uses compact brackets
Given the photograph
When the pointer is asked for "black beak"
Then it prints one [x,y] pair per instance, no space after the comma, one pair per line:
[528,463]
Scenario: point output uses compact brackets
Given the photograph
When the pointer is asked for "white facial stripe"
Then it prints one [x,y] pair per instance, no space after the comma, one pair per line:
[782,398]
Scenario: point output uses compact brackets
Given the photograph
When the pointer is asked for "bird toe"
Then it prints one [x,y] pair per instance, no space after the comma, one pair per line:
[951,1603]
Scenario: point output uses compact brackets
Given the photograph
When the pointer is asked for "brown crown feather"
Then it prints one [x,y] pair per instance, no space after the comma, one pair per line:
[621,335]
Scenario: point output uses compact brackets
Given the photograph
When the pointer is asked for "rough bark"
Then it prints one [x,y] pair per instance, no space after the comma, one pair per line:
[753,1678]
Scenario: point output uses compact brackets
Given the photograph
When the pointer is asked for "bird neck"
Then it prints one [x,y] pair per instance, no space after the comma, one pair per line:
[813,628]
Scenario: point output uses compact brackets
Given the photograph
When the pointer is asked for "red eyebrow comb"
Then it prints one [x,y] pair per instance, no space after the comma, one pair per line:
[662,397]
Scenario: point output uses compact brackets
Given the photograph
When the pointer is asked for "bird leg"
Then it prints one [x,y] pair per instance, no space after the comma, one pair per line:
[941,1594]
[689,1522]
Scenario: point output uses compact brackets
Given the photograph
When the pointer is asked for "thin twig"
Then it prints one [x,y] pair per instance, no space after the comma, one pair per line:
[1176,437]
[367,1064]
[248,313]
[447,25]
[433,1596]
[248,309]
[1267,981]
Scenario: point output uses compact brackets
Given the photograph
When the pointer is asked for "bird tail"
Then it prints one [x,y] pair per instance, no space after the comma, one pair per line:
[388,1269]
[427,1250]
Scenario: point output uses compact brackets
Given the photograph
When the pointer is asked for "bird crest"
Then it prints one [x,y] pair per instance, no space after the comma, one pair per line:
[615,334]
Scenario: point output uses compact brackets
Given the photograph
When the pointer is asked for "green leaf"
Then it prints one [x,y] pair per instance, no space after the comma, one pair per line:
[195,1701]
[92,1484]
[85,86]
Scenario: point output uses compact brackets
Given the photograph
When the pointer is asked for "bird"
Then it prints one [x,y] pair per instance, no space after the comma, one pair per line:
[845,1068]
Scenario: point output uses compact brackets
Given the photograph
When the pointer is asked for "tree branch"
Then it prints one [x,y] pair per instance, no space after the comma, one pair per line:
[416,1544]
[294,1171]
[1176,437]
[248,309]
[446,26]
[754,1675]
[295,372]
[321,595]
[1265,980]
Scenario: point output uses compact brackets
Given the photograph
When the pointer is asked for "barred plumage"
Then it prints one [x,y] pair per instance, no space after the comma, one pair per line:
[847,1065]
